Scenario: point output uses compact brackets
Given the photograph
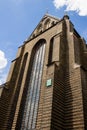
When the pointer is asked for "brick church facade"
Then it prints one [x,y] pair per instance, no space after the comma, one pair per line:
[46,88]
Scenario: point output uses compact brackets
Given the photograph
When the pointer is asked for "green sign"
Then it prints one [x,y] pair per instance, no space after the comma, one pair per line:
[49,82]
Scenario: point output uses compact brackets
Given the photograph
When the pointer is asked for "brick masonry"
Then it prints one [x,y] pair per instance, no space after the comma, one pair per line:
[63,105]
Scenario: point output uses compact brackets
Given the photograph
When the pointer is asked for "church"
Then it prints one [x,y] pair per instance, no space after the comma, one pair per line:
[46,88]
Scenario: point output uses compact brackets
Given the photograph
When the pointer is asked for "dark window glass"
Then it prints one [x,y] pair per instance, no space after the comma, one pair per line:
[50,51]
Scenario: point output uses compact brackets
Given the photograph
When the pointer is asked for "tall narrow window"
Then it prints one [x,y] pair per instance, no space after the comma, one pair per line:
[47,24]
[33,93]
[50,51]
[22,69]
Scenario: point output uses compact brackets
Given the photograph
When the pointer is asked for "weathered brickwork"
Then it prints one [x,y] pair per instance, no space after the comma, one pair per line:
[62,102]
[74,117]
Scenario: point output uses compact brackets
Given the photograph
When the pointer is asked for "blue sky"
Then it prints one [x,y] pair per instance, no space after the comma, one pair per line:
[18,18]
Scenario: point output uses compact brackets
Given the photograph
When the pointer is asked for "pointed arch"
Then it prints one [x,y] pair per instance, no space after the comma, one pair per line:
[47,24]
[33,84]
[22,69]
[50,51]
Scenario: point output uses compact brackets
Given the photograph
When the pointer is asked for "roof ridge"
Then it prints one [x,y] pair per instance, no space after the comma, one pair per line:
[51,16]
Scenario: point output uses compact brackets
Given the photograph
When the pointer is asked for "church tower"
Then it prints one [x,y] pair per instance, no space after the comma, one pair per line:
[46,88]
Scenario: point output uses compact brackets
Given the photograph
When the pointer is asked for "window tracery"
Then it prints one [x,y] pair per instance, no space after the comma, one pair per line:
[33,92]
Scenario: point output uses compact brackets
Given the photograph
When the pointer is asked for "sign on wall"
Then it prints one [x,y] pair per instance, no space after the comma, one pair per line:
[49,82]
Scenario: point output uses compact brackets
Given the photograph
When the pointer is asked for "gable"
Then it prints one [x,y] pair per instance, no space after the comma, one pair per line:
[46,22]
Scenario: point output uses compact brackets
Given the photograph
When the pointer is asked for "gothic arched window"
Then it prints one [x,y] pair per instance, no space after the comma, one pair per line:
[47,24]
[34,85]
[39,29]
[23,67]
[22,70]
[50,51]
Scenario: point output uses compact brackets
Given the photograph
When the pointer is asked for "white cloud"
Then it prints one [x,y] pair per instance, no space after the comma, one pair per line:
[2,78]
[3,60]
[80,6]
[3,63]
[59,3]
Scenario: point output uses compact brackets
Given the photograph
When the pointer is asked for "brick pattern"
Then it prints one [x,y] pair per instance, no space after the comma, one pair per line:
[45,104]
[9,97]
[84,93]
[58,100]
[74,118]
[63,105]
